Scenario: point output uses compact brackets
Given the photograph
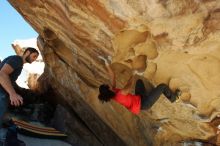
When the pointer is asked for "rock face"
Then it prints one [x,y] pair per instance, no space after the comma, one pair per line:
[170,41]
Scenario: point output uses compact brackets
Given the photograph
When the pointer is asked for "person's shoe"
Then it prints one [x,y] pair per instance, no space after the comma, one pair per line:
[1,143]
[178,93]
[176,96]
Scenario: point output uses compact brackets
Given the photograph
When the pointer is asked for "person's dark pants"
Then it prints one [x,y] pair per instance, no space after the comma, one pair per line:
[3,110]
[148,99]
[4,105]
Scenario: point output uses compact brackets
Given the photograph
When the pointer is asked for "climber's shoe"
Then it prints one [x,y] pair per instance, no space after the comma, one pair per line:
[178,93]
[176,96]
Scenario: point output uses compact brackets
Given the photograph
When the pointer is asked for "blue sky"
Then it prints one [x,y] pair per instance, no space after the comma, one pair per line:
[12,27]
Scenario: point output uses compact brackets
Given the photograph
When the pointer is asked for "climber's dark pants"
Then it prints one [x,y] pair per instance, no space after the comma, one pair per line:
[28,97]
[148,99]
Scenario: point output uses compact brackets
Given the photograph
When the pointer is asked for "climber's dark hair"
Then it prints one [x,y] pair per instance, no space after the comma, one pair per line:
[31,50]
[105,94]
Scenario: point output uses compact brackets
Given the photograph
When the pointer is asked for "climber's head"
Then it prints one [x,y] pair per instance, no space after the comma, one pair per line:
[30,55]
[105,93]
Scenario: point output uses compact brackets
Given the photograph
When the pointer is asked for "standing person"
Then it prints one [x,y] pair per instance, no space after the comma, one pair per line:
[141,100]
[10,69]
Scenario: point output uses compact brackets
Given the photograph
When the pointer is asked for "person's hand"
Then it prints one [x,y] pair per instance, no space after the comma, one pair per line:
[104,59]
[16,99]
[134,72]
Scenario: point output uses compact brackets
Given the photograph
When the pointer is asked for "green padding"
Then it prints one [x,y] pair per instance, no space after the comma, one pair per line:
[33,134]
[37,131]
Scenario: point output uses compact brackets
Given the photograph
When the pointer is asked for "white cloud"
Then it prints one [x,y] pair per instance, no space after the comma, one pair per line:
[27,43]
[35,67]
[22,79]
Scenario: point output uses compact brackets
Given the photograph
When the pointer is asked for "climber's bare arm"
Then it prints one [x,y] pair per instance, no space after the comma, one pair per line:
[111,75]
[128,87]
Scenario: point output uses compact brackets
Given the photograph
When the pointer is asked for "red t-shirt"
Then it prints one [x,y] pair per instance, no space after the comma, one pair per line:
[131,102]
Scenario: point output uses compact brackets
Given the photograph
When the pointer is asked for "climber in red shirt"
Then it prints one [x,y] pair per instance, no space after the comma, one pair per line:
[141,100]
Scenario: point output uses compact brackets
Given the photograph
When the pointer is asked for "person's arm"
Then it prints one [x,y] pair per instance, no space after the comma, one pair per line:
[5,82]
[128,87]
[111,75]
[110,71]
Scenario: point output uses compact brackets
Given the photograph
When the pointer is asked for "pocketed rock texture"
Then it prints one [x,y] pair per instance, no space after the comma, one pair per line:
[171,41]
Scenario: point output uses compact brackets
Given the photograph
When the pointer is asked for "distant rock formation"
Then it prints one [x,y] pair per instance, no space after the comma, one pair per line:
[170,41]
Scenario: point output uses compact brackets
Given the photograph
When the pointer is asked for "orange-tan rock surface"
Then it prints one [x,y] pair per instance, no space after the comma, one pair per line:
[170,41]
